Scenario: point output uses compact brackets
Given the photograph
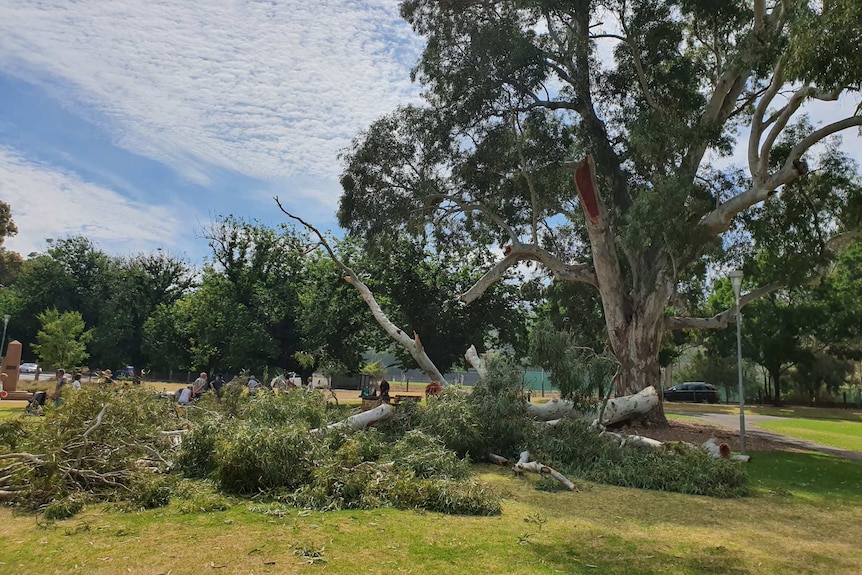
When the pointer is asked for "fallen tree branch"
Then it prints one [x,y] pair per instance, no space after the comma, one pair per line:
[478,363]
[524,464]
[381,413]
[633,440]
[624,408]
[88,432]
[499,460]
[722,450]
[616,410]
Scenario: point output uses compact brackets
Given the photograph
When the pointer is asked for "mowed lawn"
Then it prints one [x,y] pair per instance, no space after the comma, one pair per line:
[804,517]
[831,414]
[840,434]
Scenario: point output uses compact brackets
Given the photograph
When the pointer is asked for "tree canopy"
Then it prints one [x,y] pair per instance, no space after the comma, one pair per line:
[641,103]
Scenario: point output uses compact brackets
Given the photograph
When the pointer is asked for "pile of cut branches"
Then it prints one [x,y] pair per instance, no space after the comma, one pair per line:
[97,445]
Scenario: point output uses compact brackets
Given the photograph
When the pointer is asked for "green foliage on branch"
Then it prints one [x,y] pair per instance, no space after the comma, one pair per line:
[87,449]
[573,447]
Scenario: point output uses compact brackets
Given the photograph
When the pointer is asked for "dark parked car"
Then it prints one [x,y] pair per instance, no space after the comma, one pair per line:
[694,391]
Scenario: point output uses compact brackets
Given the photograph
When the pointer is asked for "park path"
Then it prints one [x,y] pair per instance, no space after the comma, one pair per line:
[731,421]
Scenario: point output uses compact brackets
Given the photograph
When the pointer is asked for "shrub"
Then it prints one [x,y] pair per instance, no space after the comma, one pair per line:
[500,408]
[452,418]
[195,458]
[426,457]
[251,458]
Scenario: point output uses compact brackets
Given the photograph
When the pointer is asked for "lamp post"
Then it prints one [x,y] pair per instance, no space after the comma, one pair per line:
[736,281]
[6,319]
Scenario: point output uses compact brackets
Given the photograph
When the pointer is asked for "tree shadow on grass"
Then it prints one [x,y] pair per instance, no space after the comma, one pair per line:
[614,555]
[809,475]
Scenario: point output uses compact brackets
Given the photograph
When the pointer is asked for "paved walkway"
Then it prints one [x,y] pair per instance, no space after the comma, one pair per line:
[730,421]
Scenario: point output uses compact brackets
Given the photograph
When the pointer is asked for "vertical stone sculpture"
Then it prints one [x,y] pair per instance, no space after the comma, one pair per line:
[10,366]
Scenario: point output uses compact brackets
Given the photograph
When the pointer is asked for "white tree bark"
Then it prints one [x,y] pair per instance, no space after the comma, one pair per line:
[381,413]
[412,345]
[551,410]
[477,362]
[633,440]
[624,408]
[617,410]
[524,464]
[723,451]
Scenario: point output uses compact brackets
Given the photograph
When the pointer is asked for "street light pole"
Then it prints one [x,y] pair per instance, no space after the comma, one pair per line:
[6,319]
[736,281]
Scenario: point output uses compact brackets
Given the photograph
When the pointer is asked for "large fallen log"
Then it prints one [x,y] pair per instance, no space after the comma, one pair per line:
[362,420]
[711,446]
[554,409]
[617,410]
[623,408]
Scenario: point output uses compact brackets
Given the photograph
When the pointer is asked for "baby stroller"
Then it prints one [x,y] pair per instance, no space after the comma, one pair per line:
[37,402]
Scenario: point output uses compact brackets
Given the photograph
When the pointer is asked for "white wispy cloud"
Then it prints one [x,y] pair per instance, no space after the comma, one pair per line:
[268,89]
[49,202]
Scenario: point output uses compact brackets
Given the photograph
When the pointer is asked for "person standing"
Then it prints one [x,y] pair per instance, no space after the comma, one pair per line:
[62,380]
[217,384]
[76,382]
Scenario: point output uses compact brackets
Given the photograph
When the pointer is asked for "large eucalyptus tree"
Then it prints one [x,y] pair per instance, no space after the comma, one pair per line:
[594,137]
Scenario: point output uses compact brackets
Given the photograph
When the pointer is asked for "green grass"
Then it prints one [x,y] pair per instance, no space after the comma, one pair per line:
[805,517]
[11,409]
[812,477]
[680,416]
[794,412]
[840,434]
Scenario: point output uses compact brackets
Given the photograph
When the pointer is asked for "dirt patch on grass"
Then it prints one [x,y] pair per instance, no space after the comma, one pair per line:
[697,432]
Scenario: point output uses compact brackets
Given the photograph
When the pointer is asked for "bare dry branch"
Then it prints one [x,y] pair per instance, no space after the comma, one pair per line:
[408,343]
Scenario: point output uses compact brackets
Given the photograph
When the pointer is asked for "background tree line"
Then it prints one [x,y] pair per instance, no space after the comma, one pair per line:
[265,298]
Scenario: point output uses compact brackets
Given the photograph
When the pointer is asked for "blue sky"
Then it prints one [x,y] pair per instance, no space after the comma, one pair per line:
[134,123]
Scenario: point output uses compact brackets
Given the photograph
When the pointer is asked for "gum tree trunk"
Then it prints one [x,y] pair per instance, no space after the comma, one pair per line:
[636,347]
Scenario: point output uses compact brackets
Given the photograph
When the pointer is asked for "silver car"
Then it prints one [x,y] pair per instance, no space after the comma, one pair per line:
[29,367]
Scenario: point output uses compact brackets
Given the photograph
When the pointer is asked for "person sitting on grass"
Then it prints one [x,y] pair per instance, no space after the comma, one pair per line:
[253,384]
[185,395]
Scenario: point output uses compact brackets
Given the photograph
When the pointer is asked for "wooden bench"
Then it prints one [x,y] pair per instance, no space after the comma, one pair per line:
[399,397]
